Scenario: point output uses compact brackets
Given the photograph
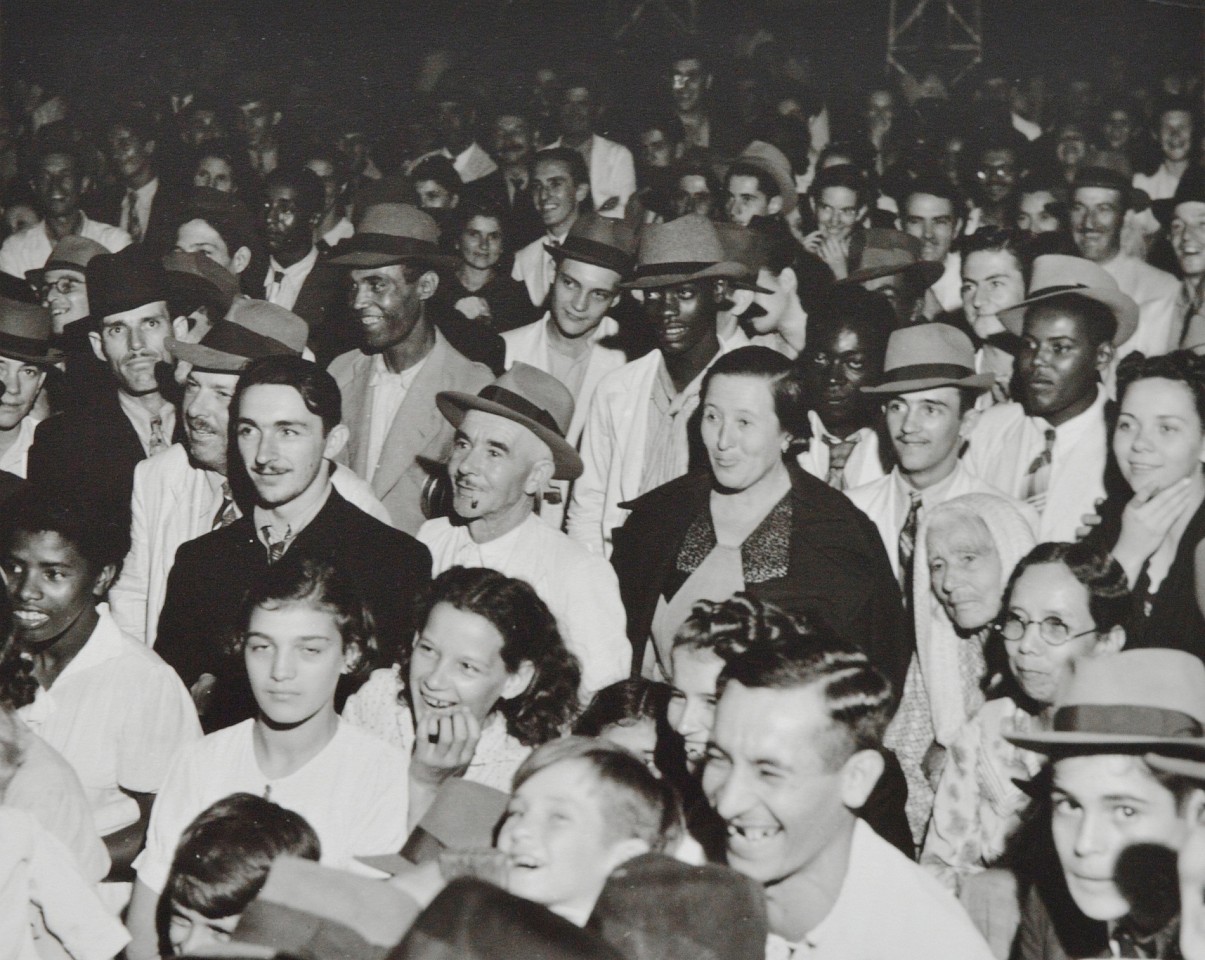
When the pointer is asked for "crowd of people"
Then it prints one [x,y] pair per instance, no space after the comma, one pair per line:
[723,523]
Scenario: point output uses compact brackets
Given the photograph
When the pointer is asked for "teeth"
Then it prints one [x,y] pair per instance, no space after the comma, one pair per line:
[30,617]
[752,833]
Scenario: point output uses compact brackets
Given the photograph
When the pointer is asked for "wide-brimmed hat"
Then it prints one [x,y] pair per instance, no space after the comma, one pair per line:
[391,233]
[25,331]
[928,355]
[193,276]
[70,253]
[1152,699]
[680,251]
[531,397]
[748,247]
[125,280]
[1190,189]
[1057,273]
[601,241]
[773,162]
[888,252]
[252,329]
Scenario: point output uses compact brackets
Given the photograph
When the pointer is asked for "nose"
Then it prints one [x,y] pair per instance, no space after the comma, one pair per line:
[1032,643]
[360,297]
[911,420]
[726,792]
[1089,837]
[8,381]
[284,664]
[25,587]
[1139,440]
[669,305]
[694,719]
[265,449]
[580,300]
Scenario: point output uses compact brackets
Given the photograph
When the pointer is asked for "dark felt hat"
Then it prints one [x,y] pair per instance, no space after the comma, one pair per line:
[193,276]
[888,252]
[1190,189]
[391,233]
[1106,177]
[123,281]
[25,332]
[601,241]
[252,329]
[748,247]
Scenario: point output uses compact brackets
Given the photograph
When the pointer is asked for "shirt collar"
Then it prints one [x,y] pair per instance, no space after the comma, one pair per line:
[106,643]
[301,268]
[930,496]
[1077,426]
[141,416]
[299,520]
[819,431]
[148,189]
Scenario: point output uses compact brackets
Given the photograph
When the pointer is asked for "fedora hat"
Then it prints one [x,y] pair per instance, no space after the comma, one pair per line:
[25,332]
[680,251]
[601,241]
[888,252]
[193,276]
[1190,189]
[70,253]
[1056,273]
[747,246]
[531,397]
[125,280]
[773,162]
[1152,699]
[252,329]
[1106,178]
[928,355]
[391,233]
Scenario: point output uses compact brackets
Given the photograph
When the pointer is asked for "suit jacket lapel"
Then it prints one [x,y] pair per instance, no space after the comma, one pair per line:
[356,411]
[416,419]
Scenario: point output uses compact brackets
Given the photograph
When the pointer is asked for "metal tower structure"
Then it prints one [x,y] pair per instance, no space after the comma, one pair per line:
[941,35]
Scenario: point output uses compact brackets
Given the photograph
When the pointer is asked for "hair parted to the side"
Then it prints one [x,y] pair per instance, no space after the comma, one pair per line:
[636,803]
[572,159]
[529,633]
[622,703]
[1182,366]
[320,585]
[318,389]
[1108,589]
[786,389]
[224,855]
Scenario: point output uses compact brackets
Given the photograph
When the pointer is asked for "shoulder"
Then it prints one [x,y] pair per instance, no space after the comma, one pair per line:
[998,417]
[862,496]
[671,497]
[522,336]
[457,371]
[619,380]
[366,749]
[436,531]
[170,465]
[216,747]
[217,544]
[344,366]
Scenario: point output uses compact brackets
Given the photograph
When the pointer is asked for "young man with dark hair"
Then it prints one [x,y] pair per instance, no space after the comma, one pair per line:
[560,185]
[143,206]
[931,210]
[612,171]
[216,224]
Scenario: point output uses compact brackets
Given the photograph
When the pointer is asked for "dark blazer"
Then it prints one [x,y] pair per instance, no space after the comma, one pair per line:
[167,206]
[837,571]
[211,574]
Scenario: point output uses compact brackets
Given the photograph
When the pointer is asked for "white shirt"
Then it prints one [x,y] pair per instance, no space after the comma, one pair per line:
[1028,128]
[144,196]
[343,230]
[579,587]
[387,391]
[888,908]
[1160,185]
[117,714]
[140,418]
[31,248]
[354,793]
[284,293]
[16,458]
[472,163]
[948,289]
[863,465]
[1156,293]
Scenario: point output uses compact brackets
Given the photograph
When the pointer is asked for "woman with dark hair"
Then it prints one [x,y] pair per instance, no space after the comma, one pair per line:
[486,679]
[631,714]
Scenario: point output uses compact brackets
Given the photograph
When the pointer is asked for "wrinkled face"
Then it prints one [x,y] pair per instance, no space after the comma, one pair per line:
[1175,135]
[927,428]
[577,111]
[638,737]
[1033,213]
[581,296]
[834,370]
[387,305]
[1118,129]
[747,200]
[1071,146]
[559,846]
[492,466]
[188,929]
[1188,237]
[131,343]
[480,243]
[58,184]
[206,410]
[1191,870]
[1096,218]
[65,295]
[682,316]
[691,711]
[511,140]
[21,383]
[991,282]
[129,153]
[1058,365]
[1048,591]
[692,195]
[325,171]
[837,211]
[555,194]
[197,236]
[1102,804]
[434,196]
[50,585]
[1159,438]
[655,148]
[294,655]
[688,81]
[282,444]
[997,174]
[965,571]
[457,661]
[768,779]
[744,440]
[214,172]
[933,221]
[288,225]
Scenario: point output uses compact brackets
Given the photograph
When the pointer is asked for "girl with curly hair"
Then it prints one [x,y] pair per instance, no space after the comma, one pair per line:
[486,679]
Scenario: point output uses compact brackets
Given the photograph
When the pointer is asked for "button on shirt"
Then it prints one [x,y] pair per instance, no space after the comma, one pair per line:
[142,420]
[387,390]
[284,291]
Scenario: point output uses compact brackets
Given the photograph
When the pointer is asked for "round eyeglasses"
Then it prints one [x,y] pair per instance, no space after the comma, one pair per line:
[1012,626]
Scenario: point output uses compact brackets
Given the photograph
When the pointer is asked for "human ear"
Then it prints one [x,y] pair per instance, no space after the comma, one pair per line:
[1111,642]
[859,775]
[969,419]
[428,283]
[242,257]
[1104,356]
[336,440]
[518,682]
[97,347]
[104,579]
[774,206]
[581,191]
[352,655]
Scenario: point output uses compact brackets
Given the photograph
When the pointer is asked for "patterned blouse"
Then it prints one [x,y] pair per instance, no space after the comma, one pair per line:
[379,708]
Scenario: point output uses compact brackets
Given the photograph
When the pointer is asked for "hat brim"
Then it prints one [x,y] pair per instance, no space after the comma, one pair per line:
[1053,741]
[724,270]
[558,254]
[368,259]
[787,190]
[205,357]
[15,349]
[1124,310]
[924,270]
[1181,766]
[567,463]
[978,381]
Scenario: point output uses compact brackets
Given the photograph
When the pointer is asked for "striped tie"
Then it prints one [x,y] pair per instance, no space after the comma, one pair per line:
[907,545]
[133,223]
[838,455]
[228,511]
[276,548]
[1037,477]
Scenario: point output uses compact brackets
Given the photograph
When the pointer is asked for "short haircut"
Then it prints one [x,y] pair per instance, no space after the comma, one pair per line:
[1109,599]
[231,221]
[765,183]
[786,389]
[101,536]
[136,120]
[1182,366]
[842,175]
[857,697]
[622,703]
[1098,321]
[692,167]
[439,169]
[934,187]
[306,186]
[484,207]
[568,156]
[999,240]
[49,143]
[668,123]
[318,389]
[224,855]
[1173,103]
[635,804]
[855,307]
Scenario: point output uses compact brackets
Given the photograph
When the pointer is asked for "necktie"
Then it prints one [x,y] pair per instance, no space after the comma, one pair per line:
[907,545]
[838,455]
[517,185]
[276,548]
[1037,477]
[158,441]
[133,224]
[227,512]
[278,277]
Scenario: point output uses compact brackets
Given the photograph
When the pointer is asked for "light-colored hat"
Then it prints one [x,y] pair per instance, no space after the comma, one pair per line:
[928,355]
[390,233]
[531,397]
[70,253]
[1153,699]
[773,162]
[682,250]
[1057,273]
[252,329]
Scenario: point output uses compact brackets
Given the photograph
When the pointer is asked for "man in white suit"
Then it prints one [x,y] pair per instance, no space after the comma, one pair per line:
[575,340]
[560,184]
[612,170]
[183,493]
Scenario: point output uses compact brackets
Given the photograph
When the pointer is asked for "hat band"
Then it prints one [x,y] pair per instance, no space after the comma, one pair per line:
[574,247]
[23,345]
[238,341]
[1126,720]
[521,406]
[928,371]
[673,267]
[1059,288]
[404,248]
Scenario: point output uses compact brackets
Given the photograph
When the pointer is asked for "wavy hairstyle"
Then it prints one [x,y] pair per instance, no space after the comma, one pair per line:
[1183,366]
[729,628]
[529,633]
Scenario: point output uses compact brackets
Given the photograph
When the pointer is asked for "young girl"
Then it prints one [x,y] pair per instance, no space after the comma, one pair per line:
[629,714]
[302,628]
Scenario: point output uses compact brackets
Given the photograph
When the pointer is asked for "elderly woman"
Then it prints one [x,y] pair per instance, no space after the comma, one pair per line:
[754,521]
[1064,601]
[968,545]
